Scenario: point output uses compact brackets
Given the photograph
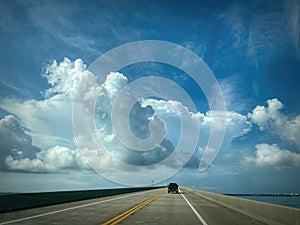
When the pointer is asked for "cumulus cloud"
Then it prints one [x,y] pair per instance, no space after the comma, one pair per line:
[109,91]
[64,77]
[140,128]
[139,120]
[271,119]
[237,125]
[171,111]
[166,107]
[272,155]
[14,141]
[53,160]
[268,118]
[49,122]
[18,152]
[44,118]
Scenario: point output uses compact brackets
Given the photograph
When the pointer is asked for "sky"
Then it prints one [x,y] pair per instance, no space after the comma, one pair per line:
[107,94]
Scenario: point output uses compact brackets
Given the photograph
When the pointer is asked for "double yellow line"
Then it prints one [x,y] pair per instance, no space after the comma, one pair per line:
[127,213]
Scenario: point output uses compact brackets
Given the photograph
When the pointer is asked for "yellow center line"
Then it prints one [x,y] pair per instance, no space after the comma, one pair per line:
[127,213]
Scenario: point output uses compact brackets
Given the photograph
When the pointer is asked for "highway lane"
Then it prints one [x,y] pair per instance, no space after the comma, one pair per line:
[168,209]
[173,209]
[215,214]
[93,211]
[148,207]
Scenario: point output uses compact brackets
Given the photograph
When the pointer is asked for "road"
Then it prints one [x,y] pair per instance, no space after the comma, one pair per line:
[147,207]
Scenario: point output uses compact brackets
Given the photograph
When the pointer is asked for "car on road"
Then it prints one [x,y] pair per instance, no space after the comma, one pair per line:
[172,187]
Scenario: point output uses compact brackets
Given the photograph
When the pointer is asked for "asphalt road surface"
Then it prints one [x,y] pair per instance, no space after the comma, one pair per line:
[147,207]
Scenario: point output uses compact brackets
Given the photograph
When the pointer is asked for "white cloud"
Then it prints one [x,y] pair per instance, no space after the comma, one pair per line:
[18,152]
[49,121]
[14,141]
[44,118]
[271,119]
[28,165]
[237,125]
[272,155]
[139,121]
[64,77]
[53,160]
[166,107]
[109,90]
[62,157]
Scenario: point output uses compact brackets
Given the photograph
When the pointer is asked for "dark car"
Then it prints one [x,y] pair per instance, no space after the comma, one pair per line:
[172,187]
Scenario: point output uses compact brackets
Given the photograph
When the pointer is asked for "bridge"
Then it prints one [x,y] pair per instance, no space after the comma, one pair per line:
[156,206]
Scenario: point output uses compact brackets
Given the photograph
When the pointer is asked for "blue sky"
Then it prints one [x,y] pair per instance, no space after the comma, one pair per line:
[252,48]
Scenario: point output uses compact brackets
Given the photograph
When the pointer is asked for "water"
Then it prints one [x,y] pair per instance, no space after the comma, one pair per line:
[290,201]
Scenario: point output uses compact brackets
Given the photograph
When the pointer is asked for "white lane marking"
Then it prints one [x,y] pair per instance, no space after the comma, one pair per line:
[194,210]
[71,208]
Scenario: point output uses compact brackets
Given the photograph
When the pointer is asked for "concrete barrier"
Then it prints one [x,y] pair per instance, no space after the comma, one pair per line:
[265,212]
[13,202]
